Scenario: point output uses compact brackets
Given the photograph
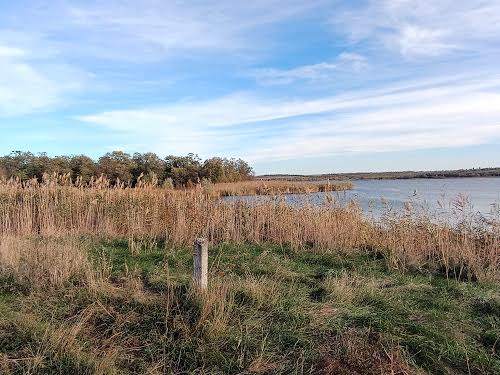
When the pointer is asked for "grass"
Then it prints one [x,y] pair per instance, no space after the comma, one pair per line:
[269,309]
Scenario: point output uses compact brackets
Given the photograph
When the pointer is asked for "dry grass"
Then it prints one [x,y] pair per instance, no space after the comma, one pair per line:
[345,288]
[52,342]
[274,187]
[45,263]
[363,352]
[263,291]
[145,215]
[216,303]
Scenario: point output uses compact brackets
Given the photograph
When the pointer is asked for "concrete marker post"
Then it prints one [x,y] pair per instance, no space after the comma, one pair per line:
[200,263]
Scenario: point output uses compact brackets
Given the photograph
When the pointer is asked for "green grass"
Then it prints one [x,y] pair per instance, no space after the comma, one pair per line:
[274,310]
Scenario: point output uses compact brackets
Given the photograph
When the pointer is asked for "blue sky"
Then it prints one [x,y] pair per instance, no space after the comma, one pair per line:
[291,86]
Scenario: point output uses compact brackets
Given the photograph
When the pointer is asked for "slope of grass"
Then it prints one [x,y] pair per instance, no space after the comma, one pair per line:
[269,309]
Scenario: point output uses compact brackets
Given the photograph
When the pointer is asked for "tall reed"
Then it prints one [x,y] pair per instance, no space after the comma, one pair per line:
[148,213]
[275,187]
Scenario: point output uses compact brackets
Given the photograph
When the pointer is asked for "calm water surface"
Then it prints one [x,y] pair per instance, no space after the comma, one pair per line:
[437,196]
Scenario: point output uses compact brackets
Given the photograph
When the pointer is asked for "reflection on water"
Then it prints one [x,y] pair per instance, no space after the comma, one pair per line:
[436,197]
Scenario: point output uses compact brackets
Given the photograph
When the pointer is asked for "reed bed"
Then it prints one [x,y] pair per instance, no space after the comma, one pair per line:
[275,187]
[148,214]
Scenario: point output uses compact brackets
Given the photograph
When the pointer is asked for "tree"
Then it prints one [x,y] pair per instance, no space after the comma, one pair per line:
[213,170]
[59,165]
[149,165]
[23,165]
[116,165]
[179,171]
[3,170]
[84,167]
[182,169]
[245,171]
[13,165]
[226,170]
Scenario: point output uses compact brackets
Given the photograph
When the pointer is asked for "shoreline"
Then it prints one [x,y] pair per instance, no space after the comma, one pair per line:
[403,175]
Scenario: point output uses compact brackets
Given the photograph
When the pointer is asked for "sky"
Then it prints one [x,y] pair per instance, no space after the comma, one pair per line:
[296,87]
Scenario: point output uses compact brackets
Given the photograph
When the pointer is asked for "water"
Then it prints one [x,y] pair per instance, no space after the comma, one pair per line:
[446,197]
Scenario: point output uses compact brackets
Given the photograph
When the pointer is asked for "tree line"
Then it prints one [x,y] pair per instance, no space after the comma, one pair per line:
[176,171]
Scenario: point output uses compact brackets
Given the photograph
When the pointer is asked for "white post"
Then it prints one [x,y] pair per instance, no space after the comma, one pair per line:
[200,263]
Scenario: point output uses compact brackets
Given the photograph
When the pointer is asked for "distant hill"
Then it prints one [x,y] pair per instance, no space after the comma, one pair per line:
[474,172]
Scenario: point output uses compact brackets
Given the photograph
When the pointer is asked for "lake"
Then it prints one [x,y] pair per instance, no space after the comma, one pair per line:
[436,196]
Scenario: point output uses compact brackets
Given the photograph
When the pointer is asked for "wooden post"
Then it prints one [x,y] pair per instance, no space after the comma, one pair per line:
[200,263]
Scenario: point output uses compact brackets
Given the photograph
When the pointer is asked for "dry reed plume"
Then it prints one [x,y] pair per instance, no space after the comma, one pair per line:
[147,214]
[275,187]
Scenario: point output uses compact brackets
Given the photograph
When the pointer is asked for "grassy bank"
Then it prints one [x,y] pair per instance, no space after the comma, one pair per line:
[97,280]
[269,309]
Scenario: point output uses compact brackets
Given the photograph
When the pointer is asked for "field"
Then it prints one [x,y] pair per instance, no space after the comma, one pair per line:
[98,280]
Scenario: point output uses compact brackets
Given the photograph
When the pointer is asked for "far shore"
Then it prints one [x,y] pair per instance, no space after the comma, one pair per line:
[402,175]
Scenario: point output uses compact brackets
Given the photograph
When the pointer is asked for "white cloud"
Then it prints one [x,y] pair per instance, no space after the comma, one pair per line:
[461,120]
[315,72]
[339,144]
[324,71]
[153,30]
[23,89]
[26,86]
[448,112]
[10,52]
[417,41]
[353,60]
[425,27]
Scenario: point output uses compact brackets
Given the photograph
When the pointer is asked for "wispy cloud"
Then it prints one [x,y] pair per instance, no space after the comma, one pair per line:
[266,79]
[402,117]
[423,28]
[472,119]
[27,87]
[154,30]
[325,71]
[412,40]
[7,52]
[46,51]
